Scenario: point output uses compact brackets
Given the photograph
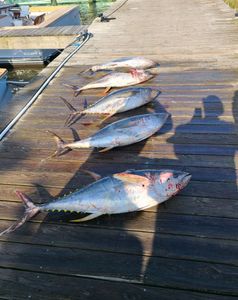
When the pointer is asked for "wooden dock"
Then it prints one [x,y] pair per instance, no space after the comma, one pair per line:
[185,248]
[40,37]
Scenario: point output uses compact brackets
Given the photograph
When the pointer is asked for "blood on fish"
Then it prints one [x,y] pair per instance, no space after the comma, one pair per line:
[131,190]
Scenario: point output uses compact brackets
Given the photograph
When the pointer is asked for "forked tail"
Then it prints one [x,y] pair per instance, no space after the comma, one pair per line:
[61,146]
[74,116]
[30,211]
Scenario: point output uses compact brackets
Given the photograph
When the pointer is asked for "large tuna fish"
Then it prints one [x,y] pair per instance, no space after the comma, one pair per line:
[136,62]
[116,79]
[120,193]
[115,102]
[121,133]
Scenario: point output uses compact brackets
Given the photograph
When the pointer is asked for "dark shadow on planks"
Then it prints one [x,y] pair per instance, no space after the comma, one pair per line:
[114,257]
[215,279]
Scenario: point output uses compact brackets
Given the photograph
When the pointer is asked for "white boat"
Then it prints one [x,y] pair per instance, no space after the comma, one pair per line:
[22,17]
[6,90]
[3,83]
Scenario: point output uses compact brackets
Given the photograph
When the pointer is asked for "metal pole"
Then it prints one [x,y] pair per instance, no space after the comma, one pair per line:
[86,36]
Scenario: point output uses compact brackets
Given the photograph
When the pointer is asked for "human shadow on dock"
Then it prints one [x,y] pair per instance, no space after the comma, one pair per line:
[205,147]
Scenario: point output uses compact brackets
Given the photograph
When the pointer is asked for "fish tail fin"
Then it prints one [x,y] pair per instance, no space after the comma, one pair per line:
[62,147]
[70,106]
[73,116]
[76,89]
[30,211]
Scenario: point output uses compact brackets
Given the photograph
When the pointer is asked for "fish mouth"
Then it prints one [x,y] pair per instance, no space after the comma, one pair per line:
[185,178]
[155,93]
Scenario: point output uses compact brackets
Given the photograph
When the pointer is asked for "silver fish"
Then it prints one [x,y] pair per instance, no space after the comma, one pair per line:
[121,133]
[116,79]
[136,62]
[115,102]
[129,191]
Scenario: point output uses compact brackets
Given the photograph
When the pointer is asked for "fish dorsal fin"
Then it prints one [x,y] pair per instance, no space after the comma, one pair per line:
[132,178]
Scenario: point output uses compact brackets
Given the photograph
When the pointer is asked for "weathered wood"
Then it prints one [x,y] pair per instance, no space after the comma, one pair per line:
[28,175]
[218,278]
[22,285]
[121,241]
[22,150]
[185,248]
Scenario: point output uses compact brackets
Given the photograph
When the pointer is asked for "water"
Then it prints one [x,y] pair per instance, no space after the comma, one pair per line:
[23,74]
[88,12]
[88,9]
[232,3]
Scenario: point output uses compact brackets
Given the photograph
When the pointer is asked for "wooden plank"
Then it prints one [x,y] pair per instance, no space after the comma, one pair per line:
[148,146]
[31,174]
[45,286]
[39,31]
[107,166]
[218,278]
[189,242]
[182,135]
[121,241]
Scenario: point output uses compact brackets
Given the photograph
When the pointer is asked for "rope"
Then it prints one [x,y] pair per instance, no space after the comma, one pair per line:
[116,9]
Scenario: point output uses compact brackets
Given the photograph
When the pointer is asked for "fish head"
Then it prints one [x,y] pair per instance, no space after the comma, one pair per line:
[169,182]
[141,75]
[160,117]
[149,93]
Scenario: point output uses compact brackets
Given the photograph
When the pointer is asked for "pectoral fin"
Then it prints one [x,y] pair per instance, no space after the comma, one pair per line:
[87,218]
[106,90]
[132,178]
[94,175]
[105,149]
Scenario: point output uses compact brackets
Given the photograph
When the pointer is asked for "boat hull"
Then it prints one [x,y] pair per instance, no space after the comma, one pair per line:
[3,83]
[26,56]
[63,17]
